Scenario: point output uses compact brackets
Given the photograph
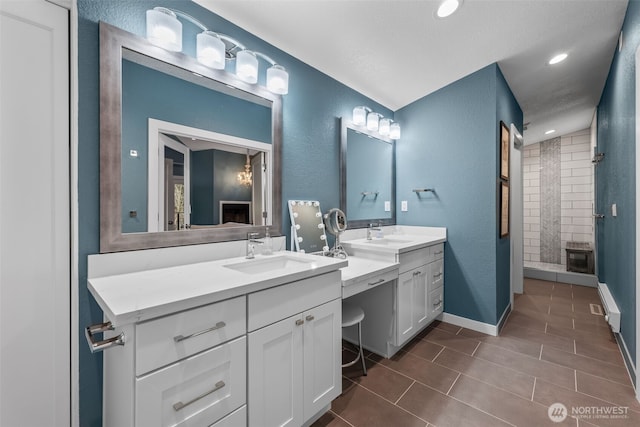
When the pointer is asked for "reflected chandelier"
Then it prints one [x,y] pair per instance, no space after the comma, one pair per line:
[213,49]
[246,177]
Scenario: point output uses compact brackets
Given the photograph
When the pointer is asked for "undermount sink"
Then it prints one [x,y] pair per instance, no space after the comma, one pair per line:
[265,265]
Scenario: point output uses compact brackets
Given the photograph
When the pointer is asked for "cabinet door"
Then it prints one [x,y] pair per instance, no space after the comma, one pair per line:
[275,374]
[322,356]
[421,309]
[404,307]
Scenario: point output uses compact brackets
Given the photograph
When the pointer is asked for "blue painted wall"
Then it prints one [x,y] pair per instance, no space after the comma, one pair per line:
[151,94]
[450,143]
[214,177]
[369,169]
[311,133]
[508,111]
[615,178]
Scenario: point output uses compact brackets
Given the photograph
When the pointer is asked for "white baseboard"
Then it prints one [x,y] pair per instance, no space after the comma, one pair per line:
[631,369]
[474,325]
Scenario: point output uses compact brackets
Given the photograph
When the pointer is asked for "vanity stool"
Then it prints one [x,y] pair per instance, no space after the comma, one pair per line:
[351,315]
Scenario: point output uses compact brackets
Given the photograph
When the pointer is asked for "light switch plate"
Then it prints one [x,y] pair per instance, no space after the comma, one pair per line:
[404,206]
[387,206]
[614,210]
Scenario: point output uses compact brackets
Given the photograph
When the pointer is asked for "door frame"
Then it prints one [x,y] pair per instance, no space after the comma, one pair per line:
[516,206]
[637,373]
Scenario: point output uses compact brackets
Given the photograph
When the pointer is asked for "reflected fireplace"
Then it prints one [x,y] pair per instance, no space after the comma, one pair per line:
[235,212]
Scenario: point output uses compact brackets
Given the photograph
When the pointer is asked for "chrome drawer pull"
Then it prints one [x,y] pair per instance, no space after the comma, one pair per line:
[310,318]
[438,253]
[99,328]
[437,275]
[178,406]
[218,325]
[299,322]
[376,282]
[437,303]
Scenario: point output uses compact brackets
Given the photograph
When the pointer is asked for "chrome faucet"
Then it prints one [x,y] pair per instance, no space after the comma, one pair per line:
[252,242]
[371,229]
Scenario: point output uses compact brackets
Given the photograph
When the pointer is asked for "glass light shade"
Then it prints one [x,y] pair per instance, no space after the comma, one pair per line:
[247,66]
[385,127]
[210,50]
[359,116]
[278,80]
[447,7]
[164,29]
[373,120]
[394,131]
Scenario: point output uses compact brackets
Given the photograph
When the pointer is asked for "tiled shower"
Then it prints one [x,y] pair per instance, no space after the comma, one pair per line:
[558,198]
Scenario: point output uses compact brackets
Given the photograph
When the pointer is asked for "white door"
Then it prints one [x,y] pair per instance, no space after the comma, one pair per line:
[404,309]
[322,356]
[421,309]
[34,215]
[275,374]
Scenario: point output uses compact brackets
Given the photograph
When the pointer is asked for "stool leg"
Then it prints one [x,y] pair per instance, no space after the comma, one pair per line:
[364,366]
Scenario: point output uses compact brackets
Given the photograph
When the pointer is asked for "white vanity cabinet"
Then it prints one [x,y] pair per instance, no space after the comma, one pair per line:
[294,351]
[396,312]
[188,368]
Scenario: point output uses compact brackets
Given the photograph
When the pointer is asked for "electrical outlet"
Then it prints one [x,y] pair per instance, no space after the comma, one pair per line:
[387,206]
[614,210]
[404,206]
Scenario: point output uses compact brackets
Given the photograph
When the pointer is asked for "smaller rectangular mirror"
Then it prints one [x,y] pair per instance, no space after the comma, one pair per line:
[367,176]
[307,227]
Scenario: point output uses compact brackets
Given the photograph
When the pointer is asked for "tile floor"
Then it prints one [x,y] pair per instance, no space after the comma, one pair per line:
[552,349]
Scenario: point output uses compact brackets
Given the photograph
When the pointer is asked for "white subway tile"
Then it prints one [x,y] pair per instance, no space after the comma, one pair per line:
[581,188]
[583,204]
[576,180]
[535,243]
[535,258]
[565,189]
[586,171]
[582,220]
[581,155]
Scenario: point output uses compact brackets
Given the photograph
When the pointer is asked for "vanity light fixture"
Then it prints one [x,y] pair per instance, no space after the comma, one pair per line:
[213,49]
[375,122]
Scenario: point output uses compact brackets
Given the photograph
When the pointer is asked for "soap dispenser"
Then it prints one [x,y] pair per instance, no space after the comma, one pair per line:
[267,246]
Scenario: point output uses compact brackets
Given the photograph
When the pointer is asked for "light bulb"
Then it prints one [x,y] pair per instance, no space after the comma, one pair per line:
[385,127]
[394,131]
[164,29]
[447,7]
[278,80]
[359,116]
[372,121]
[247,66]
[210,50]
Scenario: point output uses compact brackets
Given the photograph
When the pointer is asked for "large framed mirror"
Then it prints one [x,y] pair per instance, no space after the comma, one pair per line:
[188,154]
[367,176]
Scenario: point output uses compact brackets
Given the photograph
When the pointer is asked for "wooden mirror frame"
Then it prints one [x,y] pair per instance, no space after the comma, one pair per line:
[112,41]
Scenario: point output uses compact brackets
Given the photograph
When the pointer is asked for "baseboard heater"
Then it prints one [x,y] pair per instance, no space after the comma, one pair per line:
[612,313]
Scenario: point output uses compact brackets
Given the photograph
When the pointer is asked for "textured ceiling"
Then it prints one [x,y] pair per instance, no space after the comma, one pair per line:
[396,52]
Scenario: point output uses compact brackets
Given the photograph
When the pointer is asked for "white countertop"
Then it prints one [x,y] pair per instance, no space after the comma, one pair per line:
[360,268]
[394,243]
[133,297]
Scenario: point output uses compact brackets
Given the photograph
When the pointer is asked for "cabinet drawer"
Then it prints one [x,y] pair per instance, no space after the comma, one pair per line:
[197,391]
[413,259]
[436,302]
[237,418]
[436,251]
[368,283]
[436,274]
[162,341]
[271,305]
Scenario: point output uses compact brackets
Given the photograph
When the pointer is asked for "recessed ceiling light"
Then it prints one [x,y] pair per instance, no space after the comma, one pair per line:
[550,131]
[447,7]
[558,58]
